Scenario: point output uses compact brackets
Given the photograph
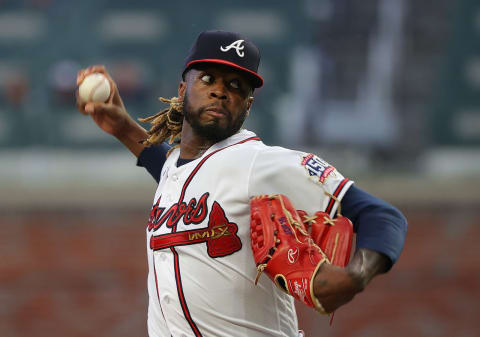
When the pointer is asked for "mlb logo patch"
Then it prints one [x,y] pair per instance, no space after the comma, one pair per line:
[317,168]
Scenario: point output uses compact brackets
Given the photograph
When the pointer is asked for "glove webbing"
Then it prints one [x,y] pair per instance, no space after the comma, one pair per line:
[261,267]
[308,220]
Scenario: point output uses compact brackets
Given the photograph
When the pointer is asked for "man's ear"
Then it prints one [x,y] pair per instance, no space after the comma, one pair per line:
[249,104]
[181,90]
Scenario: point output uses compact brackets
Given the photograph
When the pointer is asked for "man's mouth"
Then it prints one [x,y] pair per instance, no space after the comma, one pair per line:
[215,111]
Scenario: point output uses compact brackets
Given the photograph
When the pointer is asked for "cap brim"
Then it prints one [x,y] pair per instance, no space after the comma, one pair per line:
[257,80]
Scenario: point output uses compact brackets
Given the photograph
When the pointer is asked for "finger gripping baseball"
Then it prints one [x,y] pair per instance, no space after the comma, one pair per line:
[283,249]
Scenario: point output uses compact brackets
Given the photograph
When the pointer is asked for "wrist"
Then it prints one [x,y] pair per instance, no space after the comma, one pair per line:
[131,134]
[130,131]
[359,278]
[365,265]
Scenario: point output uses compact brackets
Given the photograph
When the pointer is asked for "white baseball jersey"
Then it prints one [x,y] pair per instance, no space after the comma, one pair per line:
[201,268]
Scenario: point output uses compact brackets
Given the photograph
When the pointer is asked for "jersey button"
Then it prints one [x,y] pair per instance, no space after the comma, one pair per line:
[163,256]
[166,299]
[174,177]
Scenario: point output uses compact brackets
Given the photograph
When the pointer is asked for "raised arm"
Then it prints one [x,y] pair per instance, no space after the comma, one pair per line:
[111,116]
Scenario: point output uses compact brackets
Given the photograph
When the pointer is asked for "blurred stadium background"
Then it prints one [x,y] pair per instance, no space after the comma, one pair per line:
[386,90]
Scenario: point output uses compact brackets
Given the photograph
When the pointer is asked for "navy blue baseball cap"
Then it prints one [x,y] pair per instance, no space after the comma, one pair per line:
[227,48]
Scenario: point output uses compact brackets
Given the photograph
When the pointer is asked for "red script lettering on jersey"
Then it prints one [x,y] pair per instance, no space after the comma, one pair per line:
[192,213]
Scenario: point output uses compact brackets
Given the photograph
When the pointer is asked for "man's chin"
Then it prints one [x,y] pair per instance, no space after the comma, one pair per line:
[213,132]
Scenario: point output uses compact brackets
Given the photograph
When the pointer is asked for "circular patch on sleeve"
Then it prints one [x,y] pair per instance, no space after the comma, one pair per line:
[317,169]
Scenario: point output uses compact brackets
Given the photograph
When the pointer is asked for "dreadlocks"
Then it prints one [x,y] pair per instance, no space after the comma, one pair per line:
[165,124]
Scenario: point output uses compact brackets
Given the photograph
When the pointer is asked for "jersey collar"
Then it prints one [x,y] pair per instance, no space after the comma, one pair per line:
[238,137]
[242,134]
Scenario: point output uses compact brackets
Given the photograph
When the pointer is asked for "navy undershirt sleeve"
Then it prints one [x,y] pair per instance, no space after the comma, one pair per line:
[153,158]
[379,226]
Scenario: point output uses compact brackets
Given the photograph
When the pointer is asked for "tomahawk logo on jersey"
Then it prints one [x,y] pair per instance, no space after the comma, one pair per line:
[220,234]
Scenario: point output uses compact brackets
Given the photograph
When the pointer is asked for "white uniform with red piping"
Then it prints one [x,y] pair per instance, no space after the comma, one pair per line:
[201,268]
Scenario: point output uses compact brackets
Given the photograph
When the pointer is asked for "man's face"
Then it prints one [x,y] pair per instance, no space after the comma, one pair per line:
[216,100]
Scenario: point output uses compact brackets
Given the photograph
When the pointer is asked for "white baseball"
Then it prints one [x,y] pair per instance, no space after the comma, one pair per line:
[94,88]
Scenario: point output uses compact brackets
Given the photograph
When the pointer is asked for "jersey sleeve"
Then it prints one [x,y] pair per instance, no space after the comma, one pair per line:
[153,158]
[308,181]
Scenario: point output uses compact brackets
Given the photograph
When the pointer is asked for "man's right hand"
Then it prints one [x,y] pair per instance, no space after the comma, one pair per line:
[111,116]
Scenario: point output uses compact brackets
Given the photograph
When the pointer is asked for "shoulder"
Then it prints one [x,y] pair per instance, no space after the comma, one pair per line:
[282,157]
[254,150]
[244,144]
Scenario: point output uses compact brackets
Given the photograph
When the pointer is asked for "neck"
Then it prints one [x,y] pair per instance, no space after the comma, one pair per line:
[192,146]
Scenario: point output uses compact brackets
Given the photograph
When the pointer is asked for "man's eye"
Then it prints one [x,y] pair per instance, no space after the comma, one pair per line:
[235,84]
[207,78]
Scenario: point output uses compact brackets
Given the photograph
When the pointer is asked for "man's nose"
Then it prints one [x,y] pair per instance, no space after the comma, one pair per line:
[218,91]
